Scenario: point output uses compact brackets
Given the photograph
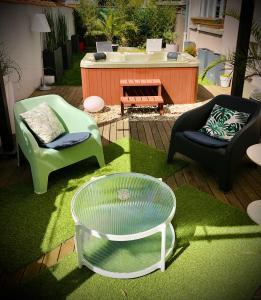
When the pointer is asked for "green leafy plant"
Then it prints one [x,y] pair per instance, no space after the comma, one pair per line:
[61,28]
[127,31]
[132,22]
[7,65]
[88,12]
[149,21]
[50,40]
[191,49]
[227,75]
[108,24]
[170,37]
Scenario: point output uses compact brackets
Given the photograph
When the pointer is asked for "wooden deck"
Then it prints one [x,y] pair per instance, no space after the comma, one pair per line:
[73,94]
[246,188]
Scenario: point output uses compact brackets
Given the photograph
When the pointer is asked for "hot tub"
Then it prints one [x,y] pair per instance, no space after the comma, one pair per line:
[178,77]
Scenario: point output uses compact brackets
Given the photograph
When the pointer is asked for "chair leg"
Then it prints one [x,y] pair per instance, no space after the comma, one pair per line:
[122,109]
[18,155]
[225,182]
[171,152]
[100,159]
[40,179]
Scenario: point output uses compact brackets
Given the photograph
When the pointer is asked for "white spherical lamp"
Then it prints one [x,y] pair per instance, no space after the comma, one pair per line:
[93,104]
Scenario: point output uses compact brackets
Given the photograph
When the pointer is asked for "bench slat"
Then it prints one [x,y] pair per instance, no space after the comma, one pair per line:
[142,100]
[140,82]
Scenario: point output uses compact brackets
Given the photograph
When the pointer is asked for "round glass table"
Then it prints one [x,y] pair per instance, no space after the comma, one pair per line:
[254,208]
[123,224]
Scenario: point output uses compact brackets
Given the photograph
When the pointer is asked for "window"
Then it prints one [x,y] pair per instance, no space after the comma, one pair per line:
[212,8]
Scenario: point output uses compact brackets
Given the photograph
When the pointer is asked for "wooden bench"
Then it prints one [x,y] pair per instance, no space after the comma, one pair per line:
[141,100]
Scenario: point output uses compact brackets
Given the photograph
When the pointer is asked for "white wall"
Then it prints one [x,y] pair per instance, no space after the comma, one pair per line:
[218,43]
[23,45]
[206,40]
[229,39]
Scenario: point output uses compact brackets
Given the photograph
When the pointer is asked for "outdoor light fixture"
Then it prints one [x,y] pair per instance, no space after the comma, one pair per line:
[40,24]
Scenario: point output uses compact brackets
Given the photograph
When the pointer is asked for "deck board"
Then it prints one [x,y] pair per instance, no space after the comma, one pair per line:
[149,135]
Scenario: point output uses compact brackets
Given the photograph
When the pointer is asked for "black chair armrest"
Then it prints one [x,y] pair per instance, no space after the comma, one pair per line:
[193,119]
[246,137]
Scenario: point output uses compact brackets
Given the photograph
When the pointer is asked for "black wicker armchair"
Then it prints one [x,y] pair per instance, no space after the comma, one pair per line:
[224,158]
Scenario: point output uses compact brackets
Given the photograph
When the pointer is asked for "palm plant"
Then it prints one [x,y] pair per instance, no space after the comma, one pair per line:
[62,30]
[253,60]
[113,26]
[50,40]
[108,24]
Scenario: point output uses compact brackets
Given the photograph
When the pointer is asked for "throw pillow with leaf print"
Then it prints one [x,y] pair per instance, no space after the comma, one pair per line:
[223,123]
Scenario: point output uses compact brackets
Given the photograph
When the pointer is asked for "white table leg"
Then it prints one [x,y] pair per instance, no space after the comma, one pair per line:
[78,240]
[163,247]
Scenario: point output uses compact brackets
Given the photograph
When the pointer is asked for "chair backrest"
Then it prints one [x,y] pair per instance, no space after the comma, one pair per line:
[104,46]
[153,45]
[62,108]
[239,104]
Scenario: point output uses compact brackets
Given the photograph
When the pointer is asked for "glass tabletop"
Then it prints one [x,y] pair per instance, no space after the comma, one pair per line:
[123,204]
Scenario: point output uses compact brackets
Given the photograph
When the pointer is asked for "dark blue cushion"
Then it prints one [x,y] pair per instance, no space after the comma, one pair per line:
[68,140]
[172,55]
[204,139]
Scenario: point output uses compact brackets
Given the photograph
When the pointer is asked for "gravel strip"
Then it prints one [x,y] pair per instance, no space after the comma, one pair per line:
[113,112]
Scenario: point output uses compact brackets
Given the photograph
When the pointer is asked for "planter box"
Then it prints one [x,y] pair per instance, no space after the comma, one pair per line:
[209,22]
[53,63]
[75,43]
[67,55]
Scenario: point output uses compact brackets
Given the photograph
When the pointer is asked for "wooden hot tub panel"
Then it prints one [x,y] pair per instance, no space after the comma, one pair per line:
[179,85]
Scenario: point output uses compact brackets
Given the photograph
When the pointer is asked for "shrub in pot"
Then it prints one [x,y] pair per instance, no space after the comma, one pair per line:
[62,39]
[170,39]
[52,54]
[191,49]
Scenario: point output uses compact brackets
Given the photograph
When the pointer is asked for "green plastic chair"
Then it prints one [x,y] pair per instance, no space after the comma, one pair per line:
[43,161]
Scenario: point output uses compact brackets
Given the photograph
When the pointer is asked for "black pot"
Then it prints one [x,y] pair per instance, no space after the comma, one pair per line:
[67,54]
[115,47]
[53,63]
[75,43]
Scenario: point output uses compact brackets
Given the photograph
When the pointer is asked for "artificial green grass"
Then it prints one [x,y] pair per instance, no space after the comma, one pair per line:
[72,76]
[34,224]
[217,256]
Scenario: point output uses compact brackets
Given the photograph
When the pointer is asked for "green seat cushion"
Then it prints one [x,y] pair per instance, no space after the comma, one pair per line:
[43,122]
[223,123]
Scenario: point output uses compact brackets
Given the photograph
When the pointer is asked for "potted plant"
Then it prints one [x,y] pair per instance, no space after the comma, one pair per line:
[191,49]
[170,39]
[225,79]
[7,68]
[62,40]
[52,54]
